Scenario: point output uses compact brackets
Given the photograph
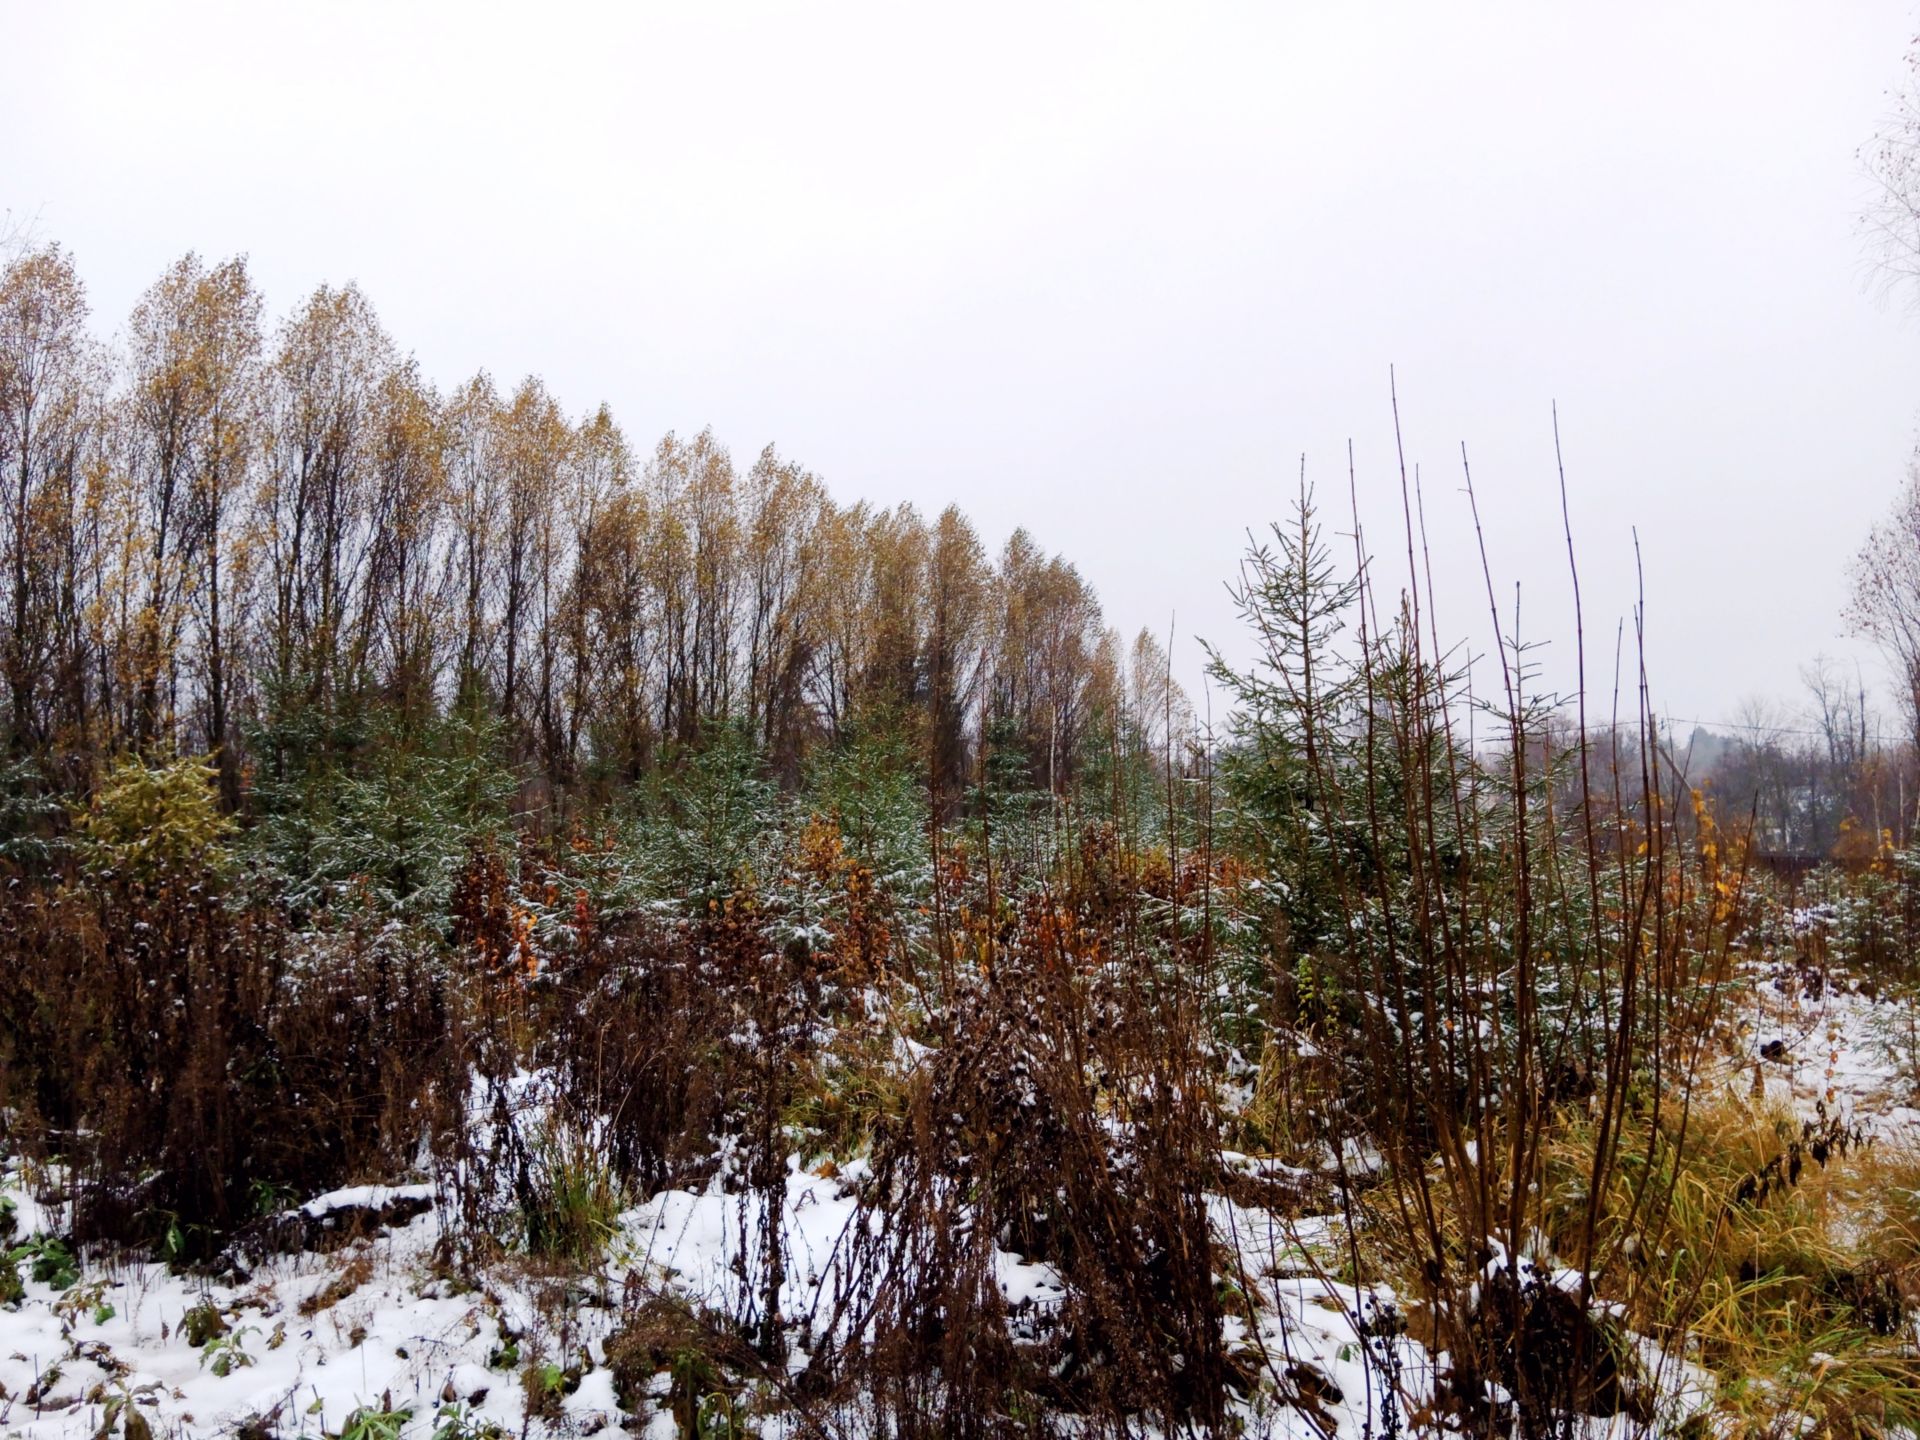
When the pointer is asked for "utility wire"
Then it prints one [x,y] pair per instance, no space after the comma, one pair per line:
[1741,725]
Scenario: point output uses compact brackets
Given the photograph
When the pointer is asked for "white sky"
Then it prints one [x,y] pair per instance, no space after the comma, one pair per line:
[1105,273]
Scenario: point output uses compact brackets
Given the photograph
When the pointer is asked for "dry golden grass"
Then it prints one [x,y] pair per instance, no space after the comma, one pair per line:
[1790,1279]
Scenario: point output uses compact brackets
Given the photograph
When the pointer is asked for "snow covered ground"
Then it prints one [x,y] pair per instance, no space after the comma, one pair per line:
[1825,1042]
[304,1341]
[310,1339]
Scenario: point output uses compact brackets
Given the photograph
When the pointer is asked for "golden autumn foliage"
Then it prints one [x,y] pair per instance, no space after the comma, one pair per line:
[239,537]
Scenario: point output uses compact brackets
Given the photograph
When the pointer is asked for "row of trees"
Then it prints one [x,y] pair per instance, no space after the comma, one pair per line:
[1823,782]
[224,538]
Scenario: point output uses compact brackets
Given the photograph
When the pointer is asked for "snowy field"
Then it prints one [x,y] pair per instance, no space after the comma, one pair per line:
[369,1337]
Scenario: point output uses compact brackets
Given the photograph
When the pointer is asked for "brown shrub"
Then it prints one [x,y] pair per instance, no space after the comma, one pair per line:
[192,1069]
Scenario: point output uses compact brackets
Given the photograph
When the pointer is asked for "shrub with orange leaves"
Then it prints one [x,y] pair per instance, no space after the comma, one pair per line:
[857,922]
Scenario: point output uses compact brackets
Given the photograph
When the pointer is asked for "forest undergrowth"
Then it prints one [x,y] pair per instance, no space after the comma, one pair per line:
[1463,1047]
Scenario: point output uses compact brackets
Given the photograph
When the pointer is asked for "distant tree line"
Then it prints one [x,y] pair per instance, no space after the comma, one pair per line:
[256,542]
[1827,783]
[1821,782]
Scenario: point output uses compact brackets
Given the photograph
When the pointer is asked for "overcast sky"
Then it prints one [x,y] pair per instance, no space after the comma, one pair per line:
[1104,273]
